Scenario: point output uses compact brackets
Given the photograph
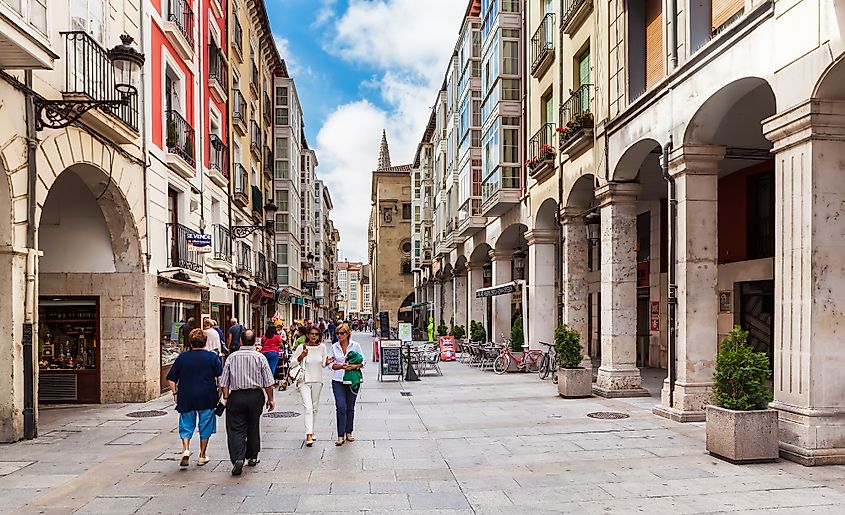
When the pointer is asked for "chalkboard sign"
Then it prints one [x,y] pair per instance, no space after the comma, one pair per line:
[384,323]
[390,362]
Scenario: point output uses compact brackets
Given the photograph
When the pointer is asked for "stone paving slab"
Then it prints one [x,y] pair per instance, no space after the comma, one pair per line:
[467,442]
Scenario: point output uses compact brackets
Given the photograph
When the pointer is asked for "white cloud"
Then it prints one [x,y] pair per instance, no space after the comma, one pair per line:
[324,13]
[410,59]
[295,67]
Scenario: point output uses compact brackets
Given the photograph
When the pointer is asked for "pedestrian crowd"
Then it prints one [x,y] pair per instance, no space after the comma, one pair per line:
[237,376]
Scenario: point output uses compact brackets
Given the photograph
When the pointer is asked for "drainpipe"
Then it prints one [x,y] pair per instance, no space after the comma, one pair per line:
[144,149]
[673,34]
[30,428]
[673,251]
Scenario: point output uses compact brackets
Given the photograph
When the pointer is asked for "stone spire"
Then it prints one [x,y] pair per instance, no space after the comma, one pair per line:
[384,153]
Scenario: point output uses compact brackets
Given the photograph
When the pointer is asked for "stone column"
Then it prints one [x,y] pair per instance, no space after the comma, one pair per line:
[475,280]
[696,173]
[809,376]
[618,375]
[502,273]
[437,306]
[460,299]
[542,304]
[576,297]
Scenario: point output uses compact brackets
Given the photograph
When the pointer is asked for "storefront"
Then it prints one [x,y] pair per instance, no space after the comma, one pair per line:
[68,350]
[174,315]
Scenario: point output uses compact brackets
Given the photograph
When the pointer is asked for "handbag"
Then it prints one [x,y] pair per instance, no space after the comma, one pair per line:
[219,409]
[297,375]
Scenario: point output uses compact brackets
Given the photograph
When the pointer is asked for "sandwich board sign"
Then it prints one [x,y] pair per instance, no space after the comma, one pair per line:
[390,359]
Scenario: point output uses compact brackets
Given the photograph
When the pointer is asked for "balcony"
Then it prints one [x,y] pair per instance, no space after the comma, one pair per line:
[222,243]
[269,162]
[23,36]
[180,145]
[261,268]
[501,191]
[257,204]
[218,161]
[239,110]
[449,242]
[272,273]
[179,256]
[472,222]
[218,74]
[576,123]
[268,109]
[179,28]
[238,39]
[541,153]
[255,139]
[255,81]
[240,195]
[574,13]
[89,76]
[245,259]
[543,46]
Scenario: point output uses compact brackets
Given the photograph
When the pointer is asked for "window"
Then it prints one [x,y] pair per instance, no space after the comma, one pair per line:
[761,216]
[406,247]
[282,148]
[88,16]
[282,253]
[283,275]
[510,145]
[547,110]
[282,222]
[406,211]
[282,169]
[417,245]
[510,57]
[282,200]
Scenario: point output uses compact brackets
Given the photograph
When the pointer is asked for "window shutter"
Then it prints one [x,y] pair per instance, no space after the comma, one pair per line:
[723,10]
[654,57]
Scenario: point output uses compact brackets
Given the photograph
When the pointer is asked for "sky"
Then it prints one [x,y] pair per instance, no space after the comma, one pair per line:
[361,66]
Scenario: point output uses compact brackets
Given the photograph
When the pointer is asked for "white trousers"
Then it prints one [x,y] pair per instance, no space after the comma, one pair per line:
[310,393]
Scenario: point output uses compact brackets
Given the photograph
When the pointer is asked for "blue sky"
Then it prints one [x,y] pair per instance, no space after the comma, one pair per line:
[361,66]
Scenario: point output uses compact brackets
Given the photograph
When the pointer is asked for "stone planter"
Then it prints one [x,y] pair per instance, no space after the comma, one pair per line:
[573,383]
[742,436]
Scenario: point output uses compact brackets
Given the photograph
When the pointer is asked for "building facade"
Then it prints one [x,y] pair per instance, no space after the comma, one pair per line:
[656,171]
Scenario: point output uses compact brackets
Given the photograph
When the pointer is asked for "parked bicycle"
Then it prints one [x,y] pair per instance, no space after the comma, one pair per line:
[548,365]
[530,360]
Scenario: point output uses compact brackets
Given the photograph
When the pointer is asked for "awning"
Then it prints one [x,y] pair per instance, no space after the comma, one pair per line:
[261,296]
[501,289]
[163,280]
[406,309]
[416,305]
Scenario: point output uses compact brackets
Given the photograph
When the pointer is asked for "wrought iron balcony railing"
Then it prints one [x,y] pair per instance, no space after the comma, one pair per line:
[261,268]
[575,114]
[238,38]
[541,149]
[180,13]
[569,10]
[222,243]
[217,69]
[245,258]
[543,42]
[239,107]
[241,179]
[179,255]
[255,137]
[180,137]
[268,109]
[218,155]
[88,72]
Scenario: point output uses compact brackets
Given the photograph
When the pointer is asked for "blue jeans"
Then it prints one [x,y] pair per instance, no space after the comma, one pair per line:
[272,359]
[188,423]
[344,401]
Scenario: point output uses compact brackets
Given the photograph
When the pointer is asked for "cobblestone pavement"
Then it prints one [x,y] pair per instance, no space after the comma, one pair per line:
[467,442]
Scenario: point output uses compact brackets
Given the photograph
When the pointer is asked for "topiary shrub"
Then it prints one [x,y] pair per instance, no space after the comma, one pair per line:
[477,333]
[741,373]
[568,347]
[517,336]
[442,330]
[459,332]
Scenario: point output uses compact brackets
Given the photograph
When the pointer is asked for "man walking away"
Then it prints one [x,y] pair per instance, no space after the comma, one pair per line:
[245,374]
[235,334]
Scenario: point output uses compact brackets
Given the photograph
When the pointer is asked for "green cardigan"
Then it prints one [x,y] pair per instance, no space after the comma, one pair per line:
[354,378]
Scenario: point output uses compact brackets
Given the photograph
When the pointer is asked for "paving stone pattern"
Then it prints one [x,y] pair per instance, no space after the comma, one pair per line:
[467,442]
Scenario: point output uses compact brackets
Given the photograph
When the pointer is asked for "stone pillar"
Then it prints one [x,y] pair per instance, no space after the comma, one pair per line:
[460,299]
[576,297]
[542,304]
[809,376]
[502,273]
[475,280]
[618,375]
[696,173]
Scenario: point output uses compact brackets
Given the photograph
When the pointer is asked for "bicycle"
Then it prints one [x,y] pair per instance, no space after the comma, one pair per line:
[549,363]
[530,360]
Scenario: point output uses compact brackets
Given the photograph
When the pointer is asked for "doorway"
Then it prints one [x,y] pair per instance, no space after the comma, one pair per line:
[757,315]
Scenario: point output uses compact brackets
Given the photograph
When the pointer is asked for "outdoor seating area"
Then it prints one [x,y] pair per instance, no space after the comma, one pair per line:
[478,354]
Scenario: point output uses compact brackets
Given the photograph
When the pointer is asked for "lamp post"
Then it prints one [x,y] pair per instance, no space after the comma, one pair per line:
[519,262]
[592,224]
[242,231]
[126,65]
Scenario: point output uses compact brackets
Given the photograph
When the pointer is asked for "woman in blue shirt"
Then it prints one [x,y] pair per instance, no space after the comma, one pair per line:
[193,381]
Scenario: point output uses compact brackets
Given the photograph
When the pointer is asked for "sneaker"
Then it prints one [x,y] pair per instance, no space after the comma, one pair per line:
[185,456]
[238,468]
[253,462]
[202,460]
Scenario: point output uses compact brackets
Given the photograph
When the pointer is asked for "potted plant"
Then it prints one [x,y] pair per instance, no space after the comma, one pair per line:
[740,428]
[573,380]
[171,134]
[459,332]
[477,333]
[442,330]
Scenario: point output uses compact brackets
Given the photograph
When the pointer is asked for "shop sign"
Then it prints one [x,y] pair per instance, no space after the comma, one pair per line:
[199,243]
[654,316]
[405,332]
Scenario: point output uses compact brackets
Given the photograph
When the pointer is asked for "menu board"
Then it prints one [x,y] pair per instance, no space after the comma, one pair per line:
[390,362]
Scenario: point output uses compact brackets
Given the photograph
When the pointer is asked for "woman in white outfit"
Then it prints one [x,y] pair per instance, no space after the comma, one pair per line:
[311,359]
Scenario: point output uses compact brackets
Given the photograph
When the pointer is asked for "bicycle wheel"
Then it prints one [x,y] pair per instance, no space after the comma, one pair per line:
[544,367]
[532,360]
[501,364]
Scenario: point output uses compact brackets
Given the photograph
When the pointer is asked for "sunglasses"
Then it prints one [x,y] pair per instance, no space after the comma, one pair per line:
[342,332]
[314,334]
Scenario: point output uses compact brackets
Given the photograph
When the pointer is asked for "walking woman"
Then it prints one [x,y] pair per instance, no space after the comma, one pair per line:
[270,343]
[193,381]
[344,396]
[309,361]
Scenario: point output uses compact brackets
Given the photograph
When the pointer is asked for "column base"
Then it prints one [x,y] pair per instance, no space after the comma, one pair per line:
[619,383]
[690,401]
[811,437]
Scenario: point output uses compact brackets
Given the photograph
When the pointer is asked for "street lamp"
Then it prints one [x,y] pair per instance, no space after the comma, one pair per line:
[519,261]
[592,223]
[242,231]
[126,65]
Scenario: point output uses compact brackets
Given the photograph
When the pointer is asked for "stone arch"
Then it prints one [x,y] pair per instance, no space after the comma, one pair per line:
[635,156]
[461,264]
[547,215]
[582,193]
[733,115]
[830,84]
[511,237]
[480,254]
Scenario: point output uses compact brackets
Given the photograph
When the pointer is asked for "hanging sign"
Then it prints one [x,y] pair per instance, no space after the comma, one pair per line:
[198,242]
